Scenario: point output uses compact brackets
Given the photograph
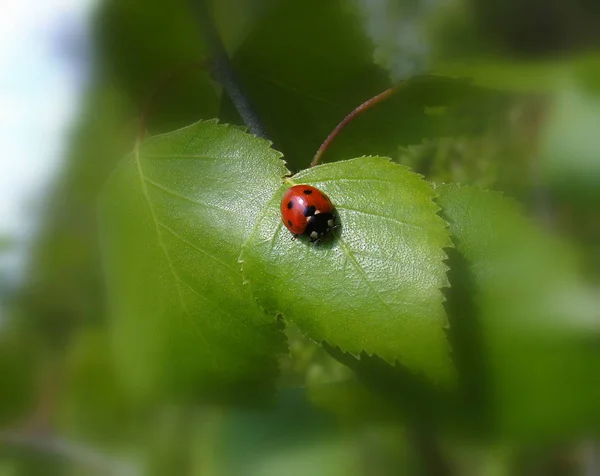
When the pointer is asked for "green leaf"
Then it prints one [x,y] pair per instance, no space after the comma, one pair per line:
[401,394]
[375,287]
[526,76]
[569,143]
[93,404]
[175,215]
[531,346]
[17,366]
[522,271]
[351,401]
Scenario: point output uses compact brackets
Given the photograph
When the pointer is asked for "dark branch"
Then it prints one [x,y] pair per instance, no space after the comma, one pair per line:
[223,71]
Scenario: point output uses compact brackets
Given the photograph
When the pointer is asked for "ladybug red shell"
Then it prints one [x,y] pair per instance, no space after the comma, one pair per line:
[305,210]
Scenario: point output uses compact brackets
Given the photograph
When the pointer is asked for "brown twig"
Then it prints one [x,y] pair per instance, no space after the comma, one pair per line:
[348,119]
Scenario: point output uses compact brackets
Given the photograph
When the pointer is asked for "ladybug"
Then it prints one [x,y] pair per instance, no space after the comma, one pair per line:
[305,210]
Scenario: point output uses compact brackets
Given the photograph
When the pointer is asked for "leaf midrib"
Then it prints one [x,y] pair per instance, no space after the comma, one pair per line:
[176,277]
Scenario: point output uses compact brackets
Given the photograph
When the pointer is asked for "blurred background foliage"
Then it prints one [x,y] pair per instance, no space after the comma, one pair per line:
[522,117]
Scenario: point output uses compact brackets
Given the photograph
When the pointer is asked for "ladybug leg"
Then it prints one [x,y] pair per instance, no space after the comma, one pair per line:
[294,237]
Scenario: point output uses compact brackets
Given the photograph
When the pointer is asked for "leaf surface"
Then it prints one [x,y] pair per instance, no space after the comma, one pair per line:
[175,215]
[375,286]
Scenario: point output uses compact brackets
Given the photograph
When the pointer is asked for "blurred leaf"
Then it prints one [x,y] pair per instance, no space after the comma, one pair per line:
[94,406]
[526,76]
[466,160]
[334,457]
[570,143]
[569,165]
[513,262]
[391,393]
[523,76]
[308,363]
[26,461]
[234,19]
[175,216]
[376,285]
[293,437]
[63,285]
[538,320]
[141,43]
[17,376]
[351,402]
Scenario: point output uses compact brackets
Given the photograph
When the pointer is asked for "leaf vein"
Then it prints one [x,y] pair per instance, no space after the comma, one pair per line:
[195,247]
[348,253]
[183,197]
[183,156]
[277,230]
[385,217]
[201,296]
[356,180]
[162,245]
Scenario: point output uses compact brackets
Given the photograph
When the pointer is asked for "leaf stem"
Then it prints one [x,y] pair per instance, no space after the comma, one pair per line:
[223,70]
[349,118]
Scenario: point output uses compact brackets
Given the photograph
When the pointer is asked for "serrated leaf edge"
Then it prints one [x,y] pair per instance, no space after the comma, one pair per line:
[217,122]
[446,284]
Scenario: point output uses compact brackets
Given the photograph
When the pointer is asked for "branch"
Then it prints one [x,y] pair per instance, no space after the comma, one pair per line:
[223,71]
[348,119]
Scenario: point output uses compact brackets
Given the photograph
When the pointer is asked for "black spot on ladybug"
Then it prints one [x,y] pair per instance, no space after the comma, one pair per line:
[319,225]
[309,211]
[290,222]
[307,191]
[290,204]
